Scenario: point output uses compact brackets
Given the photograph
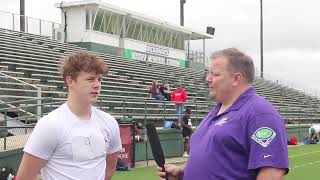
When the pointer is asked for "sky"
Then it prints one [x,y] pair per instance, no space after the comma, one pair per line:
[291,30]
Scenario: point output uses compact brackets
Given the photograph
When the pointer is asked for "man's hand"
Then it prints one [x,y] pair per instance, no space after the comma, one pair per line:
[173,172]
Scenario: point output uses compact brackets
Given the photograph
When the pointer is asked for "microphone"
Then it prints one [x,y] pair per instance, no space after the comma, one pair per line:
[155,146]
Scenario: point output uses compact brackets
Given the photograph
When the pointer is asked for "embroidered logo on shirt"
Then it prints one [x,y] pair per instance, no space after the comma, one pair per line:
[85,148]
[263,136]
[266,156]
[221,122]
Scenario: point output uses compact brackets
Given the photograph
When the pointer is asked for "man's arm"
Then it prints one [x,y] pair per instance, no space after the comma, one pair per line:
[30,167]
[112,160]
[270,173]
[183,124]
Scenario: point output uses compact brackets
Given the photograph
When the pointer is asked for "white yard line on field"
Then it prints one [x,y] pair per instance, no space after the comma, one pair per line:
[303,154]
[303,165]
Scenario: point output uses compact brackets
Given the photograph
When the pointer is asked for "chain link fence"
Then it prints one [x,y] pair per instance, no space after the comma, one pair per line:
[14,137]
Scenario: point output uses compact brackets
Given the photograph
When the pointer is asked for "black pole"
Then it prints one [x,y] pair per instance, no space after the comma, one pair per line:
[182,2]
[133,145]
[261,40]
[22,16]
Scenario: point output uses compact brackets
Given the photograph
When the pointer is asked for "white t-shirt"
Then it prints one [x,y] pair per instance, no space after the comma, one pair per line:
[316,128]
[75,149]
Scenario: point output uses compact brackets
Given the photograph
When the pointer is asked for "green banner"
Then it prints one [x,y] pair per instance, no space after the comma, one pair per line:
[127,53]
[183,63]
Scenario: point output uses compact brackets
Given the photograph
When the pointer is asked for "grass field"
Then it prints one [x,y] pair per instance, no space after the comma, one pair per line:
[304,165]
[304,162]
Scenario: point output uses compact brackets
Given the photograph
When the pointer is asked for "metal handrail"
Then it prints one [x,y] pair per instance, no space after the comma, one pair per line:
[27,100]
[25,83]
[16,79]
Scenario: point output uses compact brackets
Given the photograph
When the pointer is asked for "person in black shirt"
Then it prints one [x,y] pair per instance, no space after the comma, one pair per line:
[186,130]
[165,91]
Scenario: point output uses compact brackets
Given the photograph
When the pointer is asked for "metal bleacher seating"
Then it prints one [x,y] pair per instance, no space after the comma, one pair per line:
[124,89]
[35,60]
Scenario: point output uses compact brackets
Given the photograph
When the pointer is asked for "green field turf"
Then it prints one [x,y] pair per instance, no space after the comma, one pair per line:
[304,162]
[148,173]
[304,165]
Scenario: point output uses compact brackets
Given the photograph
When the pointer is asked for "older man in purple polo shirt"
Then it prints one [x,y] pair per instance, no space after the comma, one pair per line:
[243,137]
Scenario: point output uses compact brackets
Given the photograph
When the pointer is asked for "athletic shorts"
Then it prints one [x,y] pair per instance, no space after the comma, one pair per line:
[186,134]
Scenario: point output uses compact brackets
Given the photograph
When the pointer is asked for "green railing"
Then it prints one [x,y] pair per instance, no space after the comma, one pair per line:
[151,108]
[143,110]
[300,115]
[14,137]
[23,109]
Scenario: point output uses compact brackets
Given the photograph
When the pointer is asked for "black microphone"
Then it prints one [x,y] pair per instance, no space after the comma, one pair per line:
[155,146]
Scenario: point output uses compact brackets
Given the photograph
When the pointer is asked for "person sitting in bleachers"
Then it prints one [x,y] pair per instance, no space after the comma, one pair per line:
[165,91]
[154,91]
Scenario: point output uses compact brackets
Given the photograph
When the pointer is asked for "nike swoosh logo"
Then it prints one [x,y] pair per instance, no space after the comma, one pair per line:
[266,156]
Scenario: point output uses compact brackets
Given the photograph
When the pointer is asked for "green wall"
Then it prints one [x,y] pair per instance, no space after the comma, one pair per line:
[301,131]
[98,47]
[11,158]
[170,139]
[171,142]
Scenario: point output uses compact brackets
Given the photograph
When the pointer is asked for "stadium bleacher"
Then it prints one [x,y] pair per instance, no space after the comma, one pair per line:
[35,60]
[124,89]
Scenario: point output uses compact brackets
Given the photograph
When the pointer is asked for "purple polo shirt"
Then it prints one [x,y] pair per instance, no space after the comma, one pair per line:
[233,145]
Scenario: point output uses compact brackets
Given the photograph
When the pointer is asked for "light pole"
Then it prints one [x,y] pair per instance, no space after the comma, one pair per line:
[22,16]
[182,2]
[261,39]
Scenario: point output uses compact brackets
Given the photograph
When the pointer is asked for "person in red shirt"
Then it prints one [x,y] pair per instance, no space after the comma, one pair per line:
[179,97]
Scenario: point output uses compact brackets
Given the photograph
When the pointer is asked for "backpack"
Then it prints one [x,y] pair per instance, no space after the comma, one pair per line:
[293,140]
[7,173]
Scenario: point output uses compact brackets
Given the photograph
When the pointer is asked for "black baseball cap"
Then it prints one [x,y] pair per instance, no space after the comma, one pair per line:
[188,109]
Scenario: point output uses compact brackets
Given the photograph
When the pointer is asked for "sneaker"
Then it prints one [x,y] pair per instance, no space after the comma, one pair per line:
[185,155]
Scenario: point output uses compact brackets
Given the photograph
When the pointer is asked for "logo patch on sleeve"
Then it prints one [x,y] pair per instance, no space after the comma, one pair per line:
[263,136]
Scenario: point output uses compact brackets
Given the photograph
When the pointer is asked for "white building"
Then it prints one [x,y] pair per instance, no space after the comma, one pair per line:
[105,28]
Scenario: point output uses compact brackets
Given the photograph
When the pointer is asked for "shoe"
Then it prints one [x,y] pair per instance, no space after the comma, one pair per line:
[185,155]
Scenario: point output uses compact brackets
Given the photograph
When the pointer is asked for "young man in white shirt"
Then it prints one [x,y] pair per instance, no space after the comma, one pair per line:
[75,141]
